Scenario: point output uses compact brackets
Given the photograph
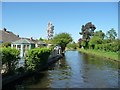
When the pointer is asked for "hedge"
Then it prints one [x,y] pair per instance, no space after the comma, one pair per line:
[36,58]
[10,58]
[113,47]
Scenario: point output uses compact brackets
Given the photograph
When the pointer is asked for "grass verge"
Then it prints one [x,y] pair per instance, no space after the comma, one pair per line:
[109,55]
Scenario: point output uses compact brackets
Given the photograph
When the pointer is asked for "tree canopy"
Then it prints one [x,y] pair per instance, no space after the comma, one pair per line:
[87,30]
[41,39]
[99,34]
[111,34]
[62,39]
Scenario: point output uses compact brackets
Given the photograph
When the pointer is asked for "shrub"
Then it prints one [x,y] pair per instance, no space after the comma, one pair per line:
[10,59]
[72,46]
[112,47]
[83,44]
[36,58]
[6,44]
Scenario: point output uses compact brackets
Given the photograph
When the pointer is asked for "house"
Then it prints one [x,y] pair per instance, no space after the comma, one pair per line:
[40,43]
[7,36]
[23,45]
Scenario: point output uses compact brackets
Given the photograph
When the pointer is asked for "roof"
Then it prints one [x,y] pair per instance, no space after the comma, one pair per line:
[23,41]
[40,42]
[7,36]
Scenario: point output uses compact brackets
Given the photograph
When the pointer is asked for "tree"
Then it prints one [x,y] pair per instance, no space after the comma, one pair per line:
[41,39]
[87,32]
[99,34]
[111,34]
[83,44]
[62,39]
[95,40]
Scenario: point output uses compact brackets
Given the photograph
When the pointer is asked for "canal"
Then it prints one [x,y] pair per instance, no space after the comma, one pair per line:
[76,70]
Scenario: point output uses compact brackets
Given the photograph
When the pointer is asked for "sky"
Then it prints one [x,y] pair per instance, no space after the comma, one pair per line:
[60,0]
[30,19]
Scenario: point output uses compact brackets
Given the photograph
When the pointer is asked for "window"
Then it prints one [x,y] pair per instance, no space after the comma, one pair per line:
[18,47]
[27,46]
[14,46]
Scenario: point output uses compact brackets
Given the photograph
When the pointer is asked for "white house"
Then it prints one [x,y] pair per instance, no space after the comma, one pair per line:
[23,45]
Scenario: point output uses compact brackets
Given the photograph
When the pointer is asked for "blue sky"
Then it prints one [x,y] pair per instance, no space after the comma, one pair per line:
[30,19]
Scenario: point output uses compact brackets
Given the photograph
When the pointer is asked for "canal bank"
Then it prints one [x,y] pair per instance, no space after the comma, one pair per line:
[75,70]
[13,78]
[108,55]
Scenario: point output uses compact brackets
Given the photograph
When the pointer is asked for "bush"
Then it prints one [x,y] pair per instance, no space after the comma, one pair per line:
[36,58]
[6,44]
[112,47]
[10,59]
[72,46]
[83,44]
[95,40]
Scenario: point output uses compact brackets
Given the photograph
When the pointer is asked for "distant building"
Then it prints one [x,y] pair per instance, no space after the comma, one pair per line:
[7,36]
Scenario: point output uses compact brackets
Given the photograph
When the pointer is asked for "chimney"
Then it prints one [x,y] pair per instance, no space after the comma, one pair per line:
[4,29]
[31,38]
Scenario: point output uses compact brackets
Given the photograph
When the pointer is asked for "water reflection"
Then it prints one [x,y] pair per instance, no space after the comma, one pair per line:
[100,72]
[76,70]
[61,74]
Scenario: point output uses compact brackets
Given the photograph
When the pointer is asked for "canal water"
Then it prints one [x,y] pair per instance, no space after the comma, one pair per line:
[76,70]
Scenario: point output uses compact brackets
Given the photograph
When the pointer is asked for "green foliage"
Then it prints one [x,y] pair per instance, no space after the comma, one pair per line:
[87,31]
[95,40]
[10,58]
[47,41]
[52,46]
[83,43]
[6,44]
[36,58]
[100,53]
[72,46]
[41,39]
[106,41]
[99,34]
[111,34]
[112,47]
[98,42]
[62,39]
